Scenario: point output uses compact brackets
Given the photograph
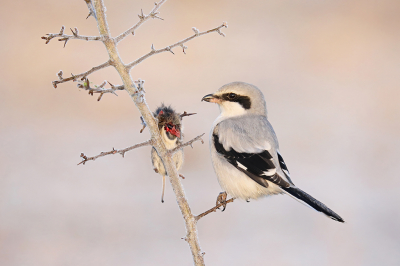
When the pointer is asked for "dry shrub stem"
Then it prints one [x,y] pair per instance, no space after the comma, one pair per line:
[198,217]
[97,10]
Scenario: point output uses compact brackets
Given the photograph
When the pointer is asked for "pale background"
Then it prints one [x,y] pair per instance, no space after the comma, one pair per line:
[329,71]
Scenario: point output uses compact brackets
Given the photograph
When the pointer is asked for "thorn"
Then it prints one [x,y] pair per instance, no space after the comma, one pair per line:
[66,42]
[152,48]
[158,17]
[221,33]
[142,15]
[62,30]
[102,84]
[59,74]
[112,86]
[169,49]
[74,33]
[101,95]
[196,31]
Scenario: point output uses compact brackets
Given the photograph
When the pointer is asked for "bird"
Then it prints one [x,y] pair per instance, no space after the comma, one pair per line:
[170,127]
[245,151]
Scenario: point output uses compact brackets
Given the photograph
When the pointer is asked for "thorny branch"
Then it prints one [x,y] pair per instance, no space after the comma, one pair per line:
[92,12]
[114,151]
[82,75]
[97,10]
[198,217]
[65,38]
[190,142]
[197,33]
[146,143]
[99,89]
[142,18]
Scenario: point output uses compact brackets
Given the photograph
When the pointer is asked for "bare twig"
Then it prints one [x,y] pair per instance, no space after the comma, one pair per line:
[162,151]
[65,38]
[97,9]
[186,114]
[190,142]
[85,84]
[114,151]
[180,43]
[142,18]
[198,217]
[82,75]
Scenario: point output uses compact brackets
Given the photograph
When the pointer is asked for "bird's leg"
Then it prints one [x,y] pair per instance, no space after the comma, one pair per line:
[163,189]
[221,199]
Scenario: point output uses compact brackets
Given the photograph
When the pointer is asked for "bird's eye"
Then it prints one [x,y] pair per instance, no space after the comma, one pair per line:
[232,96]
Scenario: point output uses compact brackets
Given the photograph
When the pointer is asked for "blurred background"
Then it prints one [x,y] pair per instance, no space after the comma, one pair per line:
[329,71]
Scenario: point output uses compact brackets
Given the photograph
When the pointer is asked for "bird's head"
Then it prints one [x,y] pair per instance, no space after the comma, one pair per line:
[238,98]
[169,120]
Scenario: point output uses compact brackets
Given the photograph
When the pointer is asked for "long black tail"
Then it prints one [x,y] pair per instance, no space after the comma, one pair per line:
[303,197]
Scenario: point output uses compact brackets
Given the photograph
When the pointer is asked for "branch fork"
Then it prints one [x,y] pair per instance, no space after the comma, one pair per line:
[136,91]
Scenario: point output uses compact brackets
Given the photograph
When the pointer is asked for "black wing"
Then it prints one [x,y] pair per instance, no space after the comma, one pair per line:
[258,166]
[284,168]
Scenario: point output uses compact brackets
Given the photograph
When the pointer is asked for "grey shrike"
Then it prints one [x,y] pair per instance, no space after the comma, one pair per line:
[170,126]
[245,150]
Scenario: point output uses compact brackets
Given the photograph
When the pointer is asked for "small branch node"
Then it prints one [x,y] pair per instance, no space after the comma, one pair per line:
[62,30]
[169,49]
[60,75]
[141,16]
[140,85]
[221,33]
[154,15]
[183,48]
[196,31]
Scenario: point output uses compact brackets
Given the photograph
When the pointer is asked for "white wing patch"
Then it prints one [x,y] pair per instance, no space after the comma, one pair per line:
[241,166]
[270,172]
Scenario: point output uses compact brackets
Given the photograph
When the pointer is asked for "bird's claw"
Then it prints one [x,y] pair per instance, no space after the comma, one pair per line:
[221,199]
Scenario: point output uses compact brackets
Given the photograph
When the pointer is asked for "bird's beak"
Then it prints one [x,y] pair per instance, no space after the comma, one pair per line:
[211,98]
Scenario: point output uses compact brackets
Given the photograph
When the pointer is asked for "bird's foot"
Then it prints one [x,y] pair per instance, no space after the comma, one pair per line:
[221,199]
